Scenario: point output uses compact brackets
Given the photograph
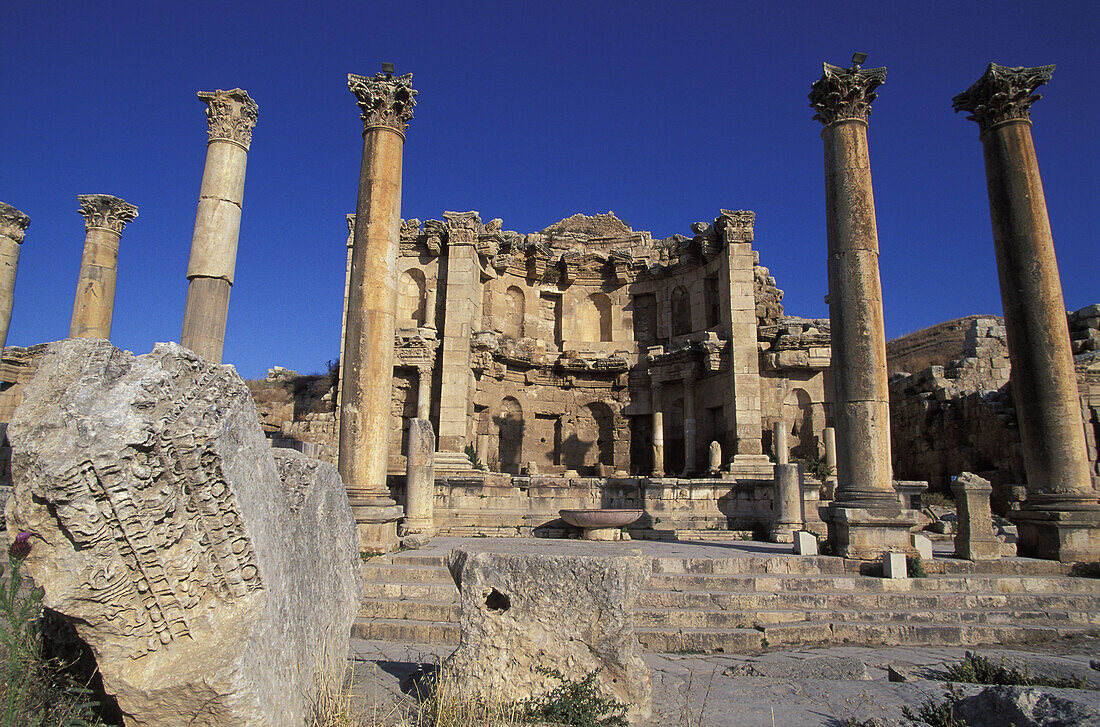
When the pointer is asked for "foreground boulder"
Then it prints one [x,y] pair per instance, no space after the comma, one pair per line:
[215,579]
[1029,707]
[569,609]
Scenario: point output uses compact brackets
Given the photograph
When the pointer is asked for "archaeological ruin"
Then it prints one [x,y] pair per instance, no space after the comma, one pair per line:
[490,380]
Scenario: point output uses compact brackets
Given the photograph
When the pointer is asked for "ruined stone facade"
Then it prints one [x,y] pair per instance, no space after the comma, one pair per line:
[548,351]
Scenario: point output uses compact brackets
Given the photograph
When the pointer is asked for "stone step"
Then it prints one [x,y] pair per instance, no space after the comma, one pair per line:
[825,583]
[410,610]
[405,631]
[753,601]
[405,573]
[685,618]
[686,641]
[439,592]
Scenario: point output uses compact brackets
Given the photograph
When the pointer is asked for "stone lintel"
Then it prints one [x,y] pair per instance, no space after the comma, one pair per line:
[231,115]
[1002,94]
[13,223]
[845,94]
[385,100]
[106,212]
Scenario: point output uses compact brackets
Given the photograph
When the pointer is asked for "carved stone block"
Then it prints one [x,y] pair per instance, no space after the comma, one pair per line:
[214,578]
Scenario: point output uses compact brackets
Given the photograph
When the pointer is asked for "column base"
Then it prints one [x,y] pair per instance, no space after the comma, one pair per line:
[866,534]
[1069,536]
[417,526]
[784,532]
[376,521]
[751,465]
[447,463]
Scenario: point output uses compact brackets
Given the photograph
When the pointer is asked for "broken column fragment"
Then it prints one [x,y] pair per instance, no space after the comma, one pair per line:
[569,609]
[214,578]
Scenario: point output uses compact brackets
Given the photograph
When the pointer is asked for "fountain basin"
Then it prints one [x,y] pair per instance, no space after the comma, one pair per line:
[601,523]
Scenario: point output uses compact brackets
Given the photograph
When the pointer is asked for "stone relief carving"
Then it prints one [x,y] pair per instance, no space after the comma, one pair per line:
[231,115]
[159,514]
[105,211]
[385,100]
[845,93]
[1002,94]
[13,223]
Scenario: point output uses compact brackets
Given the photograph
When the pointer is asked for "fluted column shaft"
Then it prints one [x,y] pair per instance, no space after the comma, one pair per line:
[104,219]
[689,426]
[13,225]
[1060,518]
[231,116]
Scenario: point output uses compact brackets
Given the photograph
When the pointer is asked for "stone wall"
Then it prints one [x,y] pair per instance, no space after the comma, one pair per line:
[957,414]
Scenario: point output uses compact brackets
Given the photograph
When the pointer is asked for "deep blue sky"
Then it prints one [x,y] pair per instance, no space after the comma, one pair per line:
[662,112]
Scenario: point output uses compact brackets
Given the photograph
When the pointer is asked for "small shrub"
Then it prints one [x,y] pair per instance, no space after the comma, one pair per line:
[914,566]
[937,714]
[816,467]
[938,499]
[471,454]
[975,669]
[577,703]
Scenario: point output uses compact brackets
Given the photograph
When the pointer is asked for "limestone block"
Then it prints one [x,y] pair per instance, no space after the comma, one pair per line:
[894,565]
[214,578]
[805,543]
[923,544]
[569,609]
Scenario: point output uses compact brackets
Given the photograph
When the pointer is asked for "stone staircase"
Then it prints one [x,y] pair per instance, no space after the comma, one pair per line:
[750,603]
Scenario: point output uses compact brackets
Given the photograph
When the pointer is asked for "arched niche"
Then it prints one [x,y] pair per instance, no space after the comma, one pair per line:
[411,298]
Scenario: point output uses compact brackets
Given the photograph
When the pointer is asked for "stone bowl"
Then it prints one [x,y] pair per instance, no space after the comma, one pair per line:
[602,524]
[600,518]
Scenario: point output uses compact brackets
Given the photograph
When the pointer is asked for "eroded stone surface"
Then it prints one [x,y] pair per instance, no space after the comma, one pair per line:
[1029,707]
[570,610]
[214,580]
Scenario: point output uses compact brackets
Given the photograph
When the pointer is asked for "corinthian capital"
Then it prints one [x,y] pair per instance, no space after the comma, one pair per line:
[462,227]
[351,229]
[735,226]
[13,223]
[1002,94]
[385,100]
[842,94]
[105,211]
[231,115]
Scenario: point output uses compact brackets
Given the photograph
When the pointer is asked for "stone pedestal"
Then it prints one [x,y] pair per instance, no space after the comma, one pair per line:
[367,369]
[104,219]
[866,512]
[231,116]
[787,505]
[13,225]
[974,539]
[1061,517]
[865,534]
[420,480]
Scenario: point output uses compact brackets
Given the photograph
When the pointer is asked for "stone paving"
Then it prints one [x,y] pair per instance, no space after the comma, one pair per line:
[800,687]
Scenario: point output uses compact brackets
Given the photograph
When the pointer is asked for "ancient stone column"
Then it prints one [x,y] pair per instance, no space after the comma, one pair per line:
[689,427]
[104,219]
[828,436]
[429,305]
[367,369]
[423,392]
[787,513]
[974,539]
[735,229]
[231,116]
[344,315]
[1060,518]
[867,517]
[13,225]
[419,479]
[658,430]
[782,432]
[463,294]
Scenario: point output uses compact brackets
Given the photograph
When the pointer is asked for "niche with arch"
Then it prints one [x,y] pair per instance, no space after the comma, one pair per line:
[412,299]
